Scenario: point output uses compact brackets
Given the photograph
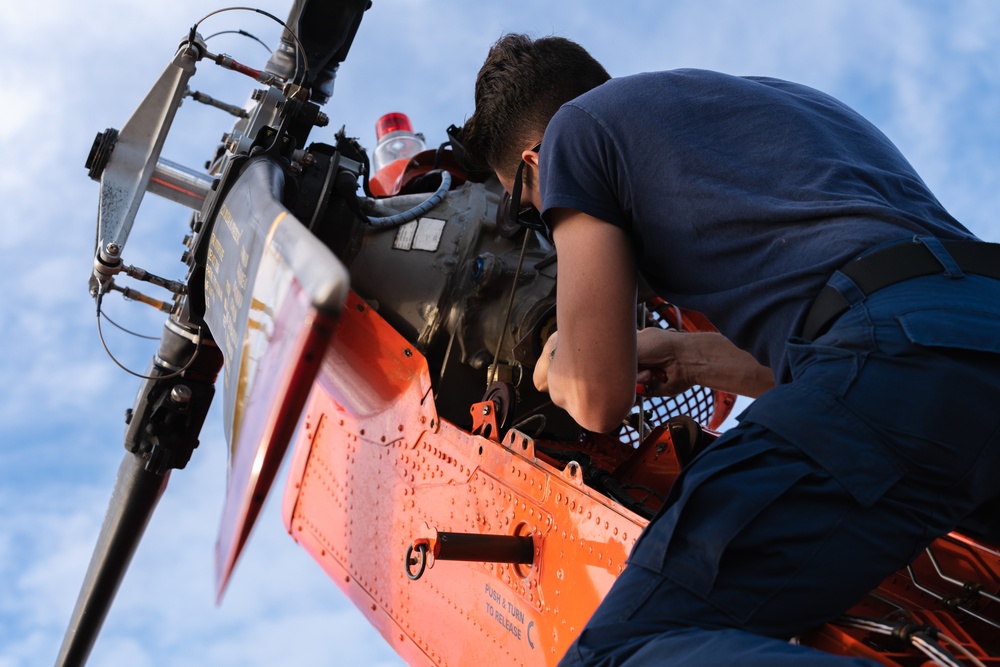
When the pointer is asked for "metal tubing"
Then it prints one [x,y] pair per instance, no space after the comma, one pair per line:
[180,184]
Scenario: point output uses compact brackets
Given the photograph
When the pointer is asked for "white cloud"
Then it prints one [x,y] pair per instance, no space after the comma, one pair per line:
[281,608]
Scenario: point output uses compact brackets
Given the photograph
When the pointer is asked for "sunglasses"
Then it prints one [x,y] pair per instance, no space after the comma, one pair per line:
[528,216]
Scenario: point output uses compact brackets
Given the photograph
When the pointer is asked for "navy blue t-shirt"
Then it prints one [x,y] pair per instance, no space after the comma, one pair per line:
[741,195]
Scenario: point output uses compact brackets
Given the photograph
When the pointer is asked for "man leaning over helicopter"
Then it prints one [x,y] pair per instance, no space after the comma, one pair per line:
[864,317]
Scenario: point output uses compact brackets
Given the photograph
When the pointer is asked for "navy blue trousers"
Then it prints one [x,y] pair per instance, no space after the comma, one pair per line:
[887,436]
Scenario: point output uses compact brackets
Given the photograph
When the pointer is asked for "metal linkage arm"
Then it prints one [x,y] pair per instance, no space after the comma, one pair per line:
[124,161]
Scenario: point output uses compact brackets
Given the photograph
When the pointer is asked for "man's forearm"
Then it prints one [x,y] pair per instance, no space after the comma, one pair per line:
[718,364]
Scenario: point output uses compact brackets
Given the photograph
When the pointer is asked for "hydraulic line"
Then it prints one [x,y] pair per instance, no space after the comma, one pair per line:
[923,638]
[962,584]
[938,596]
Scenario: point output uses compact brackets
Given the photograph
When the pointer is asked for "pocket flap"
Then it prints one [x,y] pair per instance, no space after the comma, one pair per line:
[960,328]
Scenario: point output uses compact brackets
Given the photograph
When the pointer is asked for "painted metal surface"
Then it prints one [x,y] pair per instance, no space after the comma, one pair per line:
[274,293]
[375,472]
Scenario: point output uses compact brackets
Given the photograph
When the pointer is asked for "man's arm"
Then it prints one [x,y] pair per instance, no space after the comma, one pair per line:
[706,359]
[593,370]
[589,367]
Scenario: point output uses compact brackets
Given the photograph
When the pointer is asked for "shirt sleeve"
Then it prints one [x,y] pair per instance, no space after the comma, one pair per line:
[581,169]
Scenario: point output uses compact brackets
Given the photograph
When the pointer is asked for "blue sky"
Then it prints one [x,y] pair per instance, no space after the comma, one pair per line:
[926,72]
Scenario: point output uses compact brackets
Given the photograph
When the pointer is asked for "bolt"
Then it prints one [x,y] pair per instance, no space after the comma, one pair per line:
[486,410]
[181,394]
[112,249]
[257,95]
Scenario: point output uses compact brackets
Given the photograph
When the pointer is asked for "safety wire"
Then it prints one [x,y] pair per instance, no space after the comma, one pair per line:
[510,305]
[180,371]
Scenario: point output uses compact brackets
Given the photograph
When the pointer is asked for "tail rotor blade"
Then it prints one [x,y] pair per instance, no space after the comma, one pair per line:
[137,491]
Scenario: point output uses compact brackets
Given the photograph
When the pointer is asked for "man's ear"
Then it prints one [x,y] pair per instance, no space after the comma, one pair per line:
[531,157]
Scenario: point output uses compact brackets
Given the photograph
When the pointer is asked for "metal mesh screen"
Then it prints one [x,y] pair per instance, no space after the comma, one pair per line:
[697,402]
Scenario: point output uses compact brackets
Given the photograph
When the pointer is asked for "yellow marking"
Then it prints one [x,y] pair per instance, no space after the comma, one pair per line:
[227,217]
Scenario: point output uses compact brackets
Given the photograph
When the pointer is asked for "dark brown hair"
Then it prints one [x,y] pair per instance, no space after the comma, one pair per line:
[521,85]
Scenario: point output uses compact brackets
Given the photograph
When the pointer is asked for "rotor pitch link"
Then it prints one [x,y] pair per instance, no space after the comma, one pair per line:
[108,264]
[134,295]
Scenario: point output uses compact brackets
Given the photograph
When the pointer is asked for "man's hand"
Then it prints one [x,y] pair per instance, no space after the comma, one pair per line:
[688,359]
[665,363]
[541,375]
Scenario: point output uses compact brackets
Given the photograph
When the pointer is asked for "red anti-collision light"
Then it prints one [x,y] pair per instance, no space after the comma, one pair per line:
[391,122]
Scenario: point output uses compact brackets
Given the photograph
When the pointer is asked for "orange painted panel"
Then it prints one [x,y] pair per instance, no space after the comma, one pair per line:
[375,473]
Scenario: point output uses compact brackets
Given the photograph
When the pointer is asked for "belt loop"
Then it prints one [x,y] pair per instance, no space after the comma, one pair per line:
[848,288]
[951,268]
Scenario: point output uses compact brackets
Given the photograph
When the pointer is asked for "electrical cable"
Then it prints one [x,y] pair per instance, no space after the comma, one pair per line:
[417,211]
[519,426]
[177,373]
[933,650]
[244,33]
[300,52]
[961,649]
[438,153]
[923,638]
[128,331]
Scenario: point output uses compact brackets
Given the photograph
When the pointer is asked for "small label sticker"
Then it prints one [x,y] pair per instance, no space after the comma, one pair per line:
[428,236]
[423,234]
[404,236]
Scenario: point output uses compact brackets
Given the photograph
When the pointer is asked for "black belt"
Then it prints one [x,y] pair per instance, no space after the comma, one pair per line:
[895,264]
